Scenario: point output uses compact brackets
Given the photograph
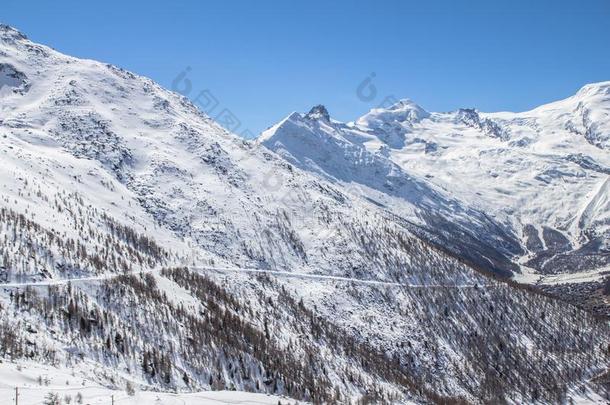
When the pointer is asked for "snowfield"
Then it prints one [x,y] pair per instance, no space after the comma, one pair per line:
[36,383]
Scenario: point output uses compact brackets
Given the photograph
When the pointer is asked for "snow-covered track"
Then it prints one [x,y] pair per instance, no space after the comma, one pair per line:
[278,273]
[281,273]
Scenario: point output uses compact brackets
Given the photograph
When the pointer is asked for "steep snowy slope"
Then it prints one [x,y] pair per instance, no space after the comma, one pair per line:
[333,150]
[143,245]
[149,159]
[541,175]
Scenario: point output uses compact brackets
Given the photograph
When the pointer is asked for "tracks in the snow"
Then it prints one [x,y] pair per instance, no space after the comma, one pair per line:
[277,273]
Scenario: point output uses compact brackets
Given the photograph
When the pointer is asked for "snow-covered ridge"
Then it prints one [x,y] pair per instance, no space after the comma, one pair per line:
[333,151]
[533,174]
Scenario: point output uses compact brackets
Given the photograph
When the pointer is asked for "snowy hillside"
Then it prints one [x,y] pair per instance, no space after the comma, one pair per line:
[333,151]
[536,181]
[144,248]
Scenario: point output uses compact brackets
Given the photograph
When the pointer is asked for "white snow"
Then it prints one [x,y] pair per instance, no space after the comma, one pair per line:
[88,140]
[68,383]
[548,167]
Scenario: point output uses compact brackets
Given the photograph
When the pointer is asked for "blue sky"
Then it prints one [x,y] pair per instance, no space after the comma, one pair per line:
[264,59]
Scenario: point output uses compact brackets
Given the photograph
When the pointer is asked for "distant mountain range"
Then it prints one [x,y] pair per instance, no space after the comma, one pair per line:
[523,195]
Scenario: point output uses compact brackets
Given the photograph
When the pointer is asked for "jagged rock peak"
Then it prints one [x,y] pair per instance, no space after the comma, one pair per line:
[318,112]
[6,31]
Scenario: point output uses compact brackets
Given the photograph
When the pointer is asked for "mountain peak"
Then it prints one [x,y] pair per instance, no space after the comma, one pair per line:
[6,31]
[318,112]
[405,103]
[409,109]
[599,88]
[404,110]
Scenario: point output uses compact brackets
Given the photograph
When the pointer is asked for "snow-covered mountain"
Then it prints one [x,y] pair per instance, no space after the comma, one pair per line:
[532,186]
[145,247]
[334,151]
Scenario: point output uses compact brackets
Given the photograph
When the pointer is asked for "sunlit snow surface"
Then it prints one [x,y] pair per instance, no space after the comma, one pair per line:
[542,173]
[69,383]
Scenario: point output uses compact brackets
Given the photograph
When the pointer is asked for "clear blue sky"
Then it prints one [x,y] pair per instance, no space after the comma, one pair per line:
[264,59]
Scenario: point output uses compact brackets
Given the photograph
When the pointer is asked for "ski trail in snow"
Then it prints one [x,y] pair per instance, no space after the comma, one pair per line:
[279,273]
